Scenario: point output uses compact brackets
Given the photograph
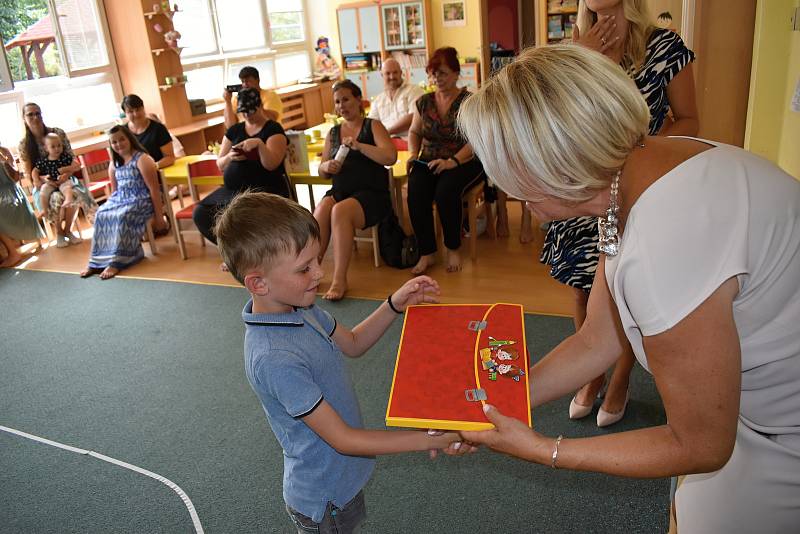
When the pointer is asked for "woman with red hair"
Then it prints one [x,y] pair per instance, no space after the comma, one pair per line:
[442,165]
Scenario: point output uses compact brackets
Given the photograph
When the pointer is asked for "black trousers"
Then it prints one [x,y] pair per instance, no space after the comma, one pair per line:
[446,189]
[205,212]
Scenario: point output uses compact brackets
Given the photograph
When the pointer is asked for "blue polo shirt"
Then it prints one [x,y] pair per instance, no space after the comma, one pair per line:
[292,365]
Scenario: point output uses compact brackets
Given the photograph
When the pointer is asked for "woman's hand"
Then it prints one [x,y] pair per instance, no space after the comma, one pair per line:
[439,165]
[415,291]
[455,446]
[513,437]
[331,167]
[352,143]
[600,36]
[252,143]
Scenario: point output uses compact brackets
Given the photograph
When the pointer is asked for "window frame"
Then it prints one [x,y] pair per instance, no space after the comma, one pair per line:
[269,52]
[72,78]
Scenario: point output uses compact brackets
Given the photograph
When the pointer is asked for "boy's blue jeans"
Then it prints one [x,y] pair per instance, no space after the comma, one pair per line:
[336,520]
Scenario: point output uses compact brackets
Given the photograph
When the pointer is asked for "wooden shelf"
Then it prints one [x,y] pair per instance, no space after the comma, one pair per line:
[151,14]
[159,51]
[165,87]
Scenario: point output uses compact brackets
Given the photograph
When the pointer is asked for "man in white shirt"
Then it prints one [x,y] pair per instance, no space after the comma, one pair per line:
[395,106]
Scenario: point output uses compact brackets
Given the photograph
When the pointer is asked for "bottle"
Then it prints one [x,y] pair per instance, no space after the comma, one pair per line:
[341,153]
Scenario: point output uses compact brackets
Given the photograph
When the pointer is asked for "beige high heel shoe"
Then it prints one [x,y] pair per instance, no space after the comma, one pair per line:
[579,411]
[605,418]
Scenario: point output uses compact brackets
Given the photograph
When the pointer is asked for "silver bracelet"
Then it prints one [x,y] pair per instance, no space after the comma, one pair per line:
[555,452]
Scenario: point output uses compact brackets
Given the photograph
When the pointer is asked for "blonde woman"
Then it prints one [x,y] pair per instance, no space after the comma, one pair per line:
[660,65]
[700,273]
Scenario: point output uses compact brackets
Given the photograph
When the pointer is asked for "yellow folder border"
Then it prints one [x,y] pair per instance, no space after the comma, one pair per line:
[444,424]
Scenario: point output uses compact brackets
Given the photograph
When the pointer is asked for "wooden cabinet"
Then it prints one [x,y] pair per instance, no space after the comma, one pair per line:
[359,30]
[147,66]
[370,33]
[470,76]
[403,25]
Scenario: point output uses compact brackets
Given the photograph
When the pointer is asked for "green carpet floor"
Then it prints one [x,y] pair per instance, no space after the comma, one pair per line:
[151,373]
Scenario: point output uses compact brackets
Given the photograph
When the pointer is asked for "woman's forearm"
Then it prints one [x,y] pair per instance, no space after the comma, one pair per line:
[382,155]
[645,453]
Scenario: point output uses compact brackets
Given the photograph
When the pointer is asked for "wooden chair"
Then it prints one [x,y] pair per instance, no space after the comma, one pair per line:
[473,198]
[371,238]
[94,167]
[204,172]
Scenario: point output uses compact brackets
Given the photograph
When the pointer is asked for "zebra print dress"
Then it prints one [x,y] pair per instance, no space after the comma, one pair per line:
[570,246]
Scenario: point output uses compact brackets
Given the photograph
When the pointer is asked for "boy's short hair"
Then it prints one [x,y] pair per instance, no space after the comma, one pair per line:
[255,228]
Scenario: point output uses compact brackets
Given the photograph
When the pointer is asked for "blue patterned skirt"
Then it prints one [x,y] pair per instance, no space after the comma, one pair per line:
[118,229]
[570,249]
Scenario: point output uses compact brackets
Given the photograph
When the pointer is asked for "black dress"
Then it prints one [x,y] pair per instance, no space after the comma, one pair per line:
[240,176]
[361,178]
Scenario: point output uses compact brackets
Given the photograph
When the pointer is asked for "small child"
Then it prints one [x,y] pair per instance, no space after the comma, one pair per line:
[293,354]
[46,172]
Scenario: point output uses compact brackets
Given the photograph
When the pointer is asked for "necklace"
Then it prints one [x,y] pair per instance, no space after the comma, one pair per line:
[607,225]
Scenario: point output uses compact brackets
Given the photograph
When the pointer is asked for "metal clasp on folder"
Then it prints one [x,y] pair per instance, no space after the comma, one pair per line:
[475,395]
[477,326]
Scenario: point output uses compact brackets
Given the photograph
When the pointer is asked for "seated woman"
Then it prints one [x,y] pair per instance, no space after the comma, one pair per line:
[152,134]
[360,195]
[32,149]
[251,157]
[17,221]
[441,164]
[120,222]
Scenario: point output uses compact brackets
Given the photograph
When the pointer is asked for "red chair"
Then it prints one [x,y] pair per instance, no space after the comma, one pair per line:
[94,168]
[204,172]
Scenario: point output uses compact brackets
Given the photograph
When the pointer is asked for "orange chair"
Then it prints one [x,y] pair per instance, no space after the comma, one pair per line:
[94,167]
[204,172]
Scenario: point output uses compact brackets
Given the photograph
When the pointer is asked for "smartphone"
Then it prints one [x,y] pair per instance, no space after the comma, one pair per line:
[233,88]
[419,162]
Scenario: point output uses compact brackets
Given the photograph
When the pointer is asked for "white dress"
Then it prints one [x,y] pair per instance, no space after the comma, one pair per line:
[724,213]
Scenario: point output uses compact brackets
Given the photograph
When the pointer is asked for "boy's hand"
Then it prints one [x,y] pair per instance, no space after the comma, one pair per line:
[450,443]
[415,291]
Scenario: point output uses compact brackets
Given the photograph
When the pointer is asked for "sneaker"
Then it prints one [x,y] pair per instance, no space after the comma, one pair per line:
[61,242]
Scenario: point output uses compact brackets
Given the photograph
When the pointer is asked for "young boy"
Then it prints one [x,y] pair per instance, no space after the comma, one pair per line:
[293,360]
[46,172]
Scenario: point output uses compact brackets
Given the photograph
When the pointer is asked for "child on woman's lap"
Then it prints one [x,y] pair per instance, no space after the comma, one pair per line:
[47,172]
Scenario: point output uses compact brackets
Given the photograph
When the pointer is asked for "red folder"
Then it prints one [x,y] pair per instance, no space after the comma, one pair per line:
[452,359]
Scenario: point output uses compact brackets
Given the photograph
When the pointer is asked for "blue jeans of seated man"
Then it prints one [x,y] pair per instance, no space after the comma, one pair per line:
[345,520]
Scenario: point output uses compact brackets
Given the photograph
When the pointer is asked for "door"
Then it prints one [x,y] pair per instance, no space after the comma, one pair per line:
[348,31]
[370,29]
[357,79]
[374,84]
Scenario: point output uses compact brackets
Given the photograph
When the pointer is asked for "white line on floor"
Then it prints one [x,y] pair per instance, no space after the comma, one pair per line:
[170,484]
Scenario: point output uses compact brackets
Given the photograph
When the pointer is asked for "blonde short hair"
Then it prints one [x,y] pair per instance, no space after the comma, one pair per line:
[640,27]
[256,228]
[560,121]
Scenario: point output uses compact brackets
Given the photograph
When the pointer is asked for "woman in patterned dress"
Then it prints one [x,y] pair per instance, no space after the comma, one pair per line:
[120,222]
[441,166]
[31,148]
[658,61]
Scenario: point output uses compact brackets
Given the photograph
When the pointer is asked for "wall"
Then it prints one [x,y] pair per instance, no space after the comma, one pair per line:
[465,39]
[773,130]
[504,23]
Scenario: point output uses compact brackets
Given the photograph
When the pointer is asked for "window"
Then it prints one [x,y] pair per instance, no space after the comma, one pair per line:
[196,26]
[286,20]
[242,27]
[222,36]
[55,54]
[205,83]
[292,67]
